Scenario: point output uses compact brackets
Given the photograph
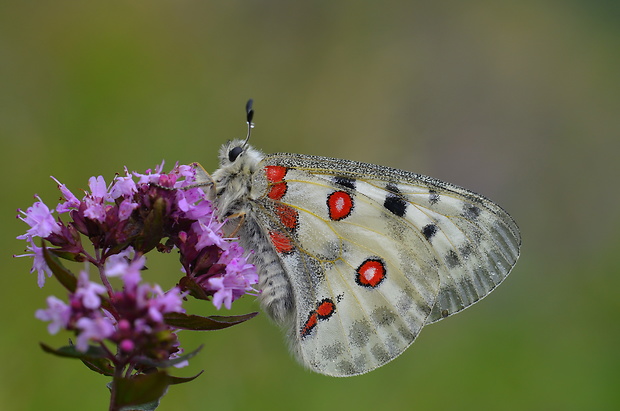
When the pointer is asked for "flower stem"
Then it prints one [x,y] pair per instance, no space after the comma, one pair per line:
[118,373]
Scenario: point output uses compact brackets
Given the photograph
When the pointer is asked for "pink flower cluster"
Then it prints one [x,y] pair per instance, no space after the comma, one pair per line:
[123,221]
[132,318]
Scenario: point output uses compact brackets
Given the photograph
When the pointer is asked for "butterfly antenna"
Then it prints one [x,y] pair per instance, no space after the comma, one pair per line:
[249,115]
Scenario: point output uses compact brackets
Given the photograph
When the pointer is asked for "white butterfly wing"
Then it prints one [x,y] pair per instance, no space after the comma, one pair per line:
[347,325]
[373,254]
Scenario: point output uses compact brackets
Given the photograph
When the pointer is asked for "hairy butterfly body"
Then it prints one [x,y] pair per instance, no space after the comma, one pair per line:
[354,258]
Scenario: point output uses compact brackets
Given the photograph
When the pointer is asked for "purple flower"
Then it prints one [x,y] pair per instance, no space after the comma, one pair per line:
[142,326]
[116,264]
[123,221]
[157,302]
[71,201]
[187,172]
[120,265]
[150,177]
[177,354]
[190,203]
[237,281]
[123,186]
[126,208]
[57,312]
[233,251]
[170,301]
[127,345]
[40,219]
[88,292]
[209,234]
[92,329]
[39,263]
[98,188]
[95,202]
[95,210]
[186,199]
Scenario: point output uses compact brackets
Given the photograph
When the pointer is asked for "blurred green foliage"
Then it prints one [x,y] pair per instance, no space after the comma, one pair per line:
[518,100]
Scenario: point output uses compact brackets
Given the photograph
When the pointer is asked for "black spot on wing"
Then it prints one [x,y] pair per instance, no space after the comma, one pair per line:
[359,333]
[433,197]
[383,316]
[394,201]
[465,251]
[429,231]
[345,182]
[471,212]
[452,259]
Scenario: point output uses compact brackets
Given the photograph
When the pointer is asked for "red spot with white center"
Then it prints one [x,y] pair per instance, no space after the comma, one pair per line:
[339,205]
[281,242]
[288,216]
[370,273]
[324,309]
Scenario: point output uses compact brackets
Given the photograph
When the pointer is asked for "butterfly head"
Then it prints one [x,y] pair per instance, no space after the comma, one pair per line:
[233,179]
[237,156]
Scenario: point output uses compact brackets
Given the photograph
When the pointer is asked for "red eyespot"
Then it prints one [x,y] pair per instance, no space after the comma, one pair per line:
[370,273]
[339,205]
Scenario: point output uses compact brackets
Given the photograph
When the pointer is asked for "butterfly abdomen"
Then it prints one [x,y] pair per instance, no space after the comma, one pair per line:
[276,293]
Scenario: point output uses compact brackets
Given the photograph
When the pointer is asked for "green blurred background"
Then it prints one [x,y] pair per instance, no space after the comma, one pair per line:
[518,100]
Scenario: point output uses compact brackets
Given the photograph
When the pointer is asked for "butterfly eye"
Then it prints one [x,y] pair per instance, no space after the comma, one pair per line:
[234,153]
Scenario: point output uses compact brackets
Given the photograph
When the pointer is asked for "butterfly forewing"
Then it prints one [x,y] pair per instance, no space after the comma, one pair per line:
[362,289]
[476,243]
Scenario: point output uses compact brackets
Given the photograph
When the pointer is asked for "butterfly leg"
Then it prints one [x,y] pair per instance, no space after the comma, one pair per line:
[241,217]
[203,178]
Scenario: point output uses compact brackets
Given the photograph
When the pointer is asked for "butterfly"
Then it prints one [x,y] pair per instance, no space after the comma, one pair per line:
[354,259]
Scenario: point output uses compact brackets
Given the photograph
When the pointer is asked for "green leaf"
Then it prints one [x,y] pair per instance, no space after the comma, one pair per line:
[70,351]
[198,323]
[94,358]
[167,363]
[63,275]
[182,380]
[99,365]
[195,290]
[66,255]
[140,390]
[143,392]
